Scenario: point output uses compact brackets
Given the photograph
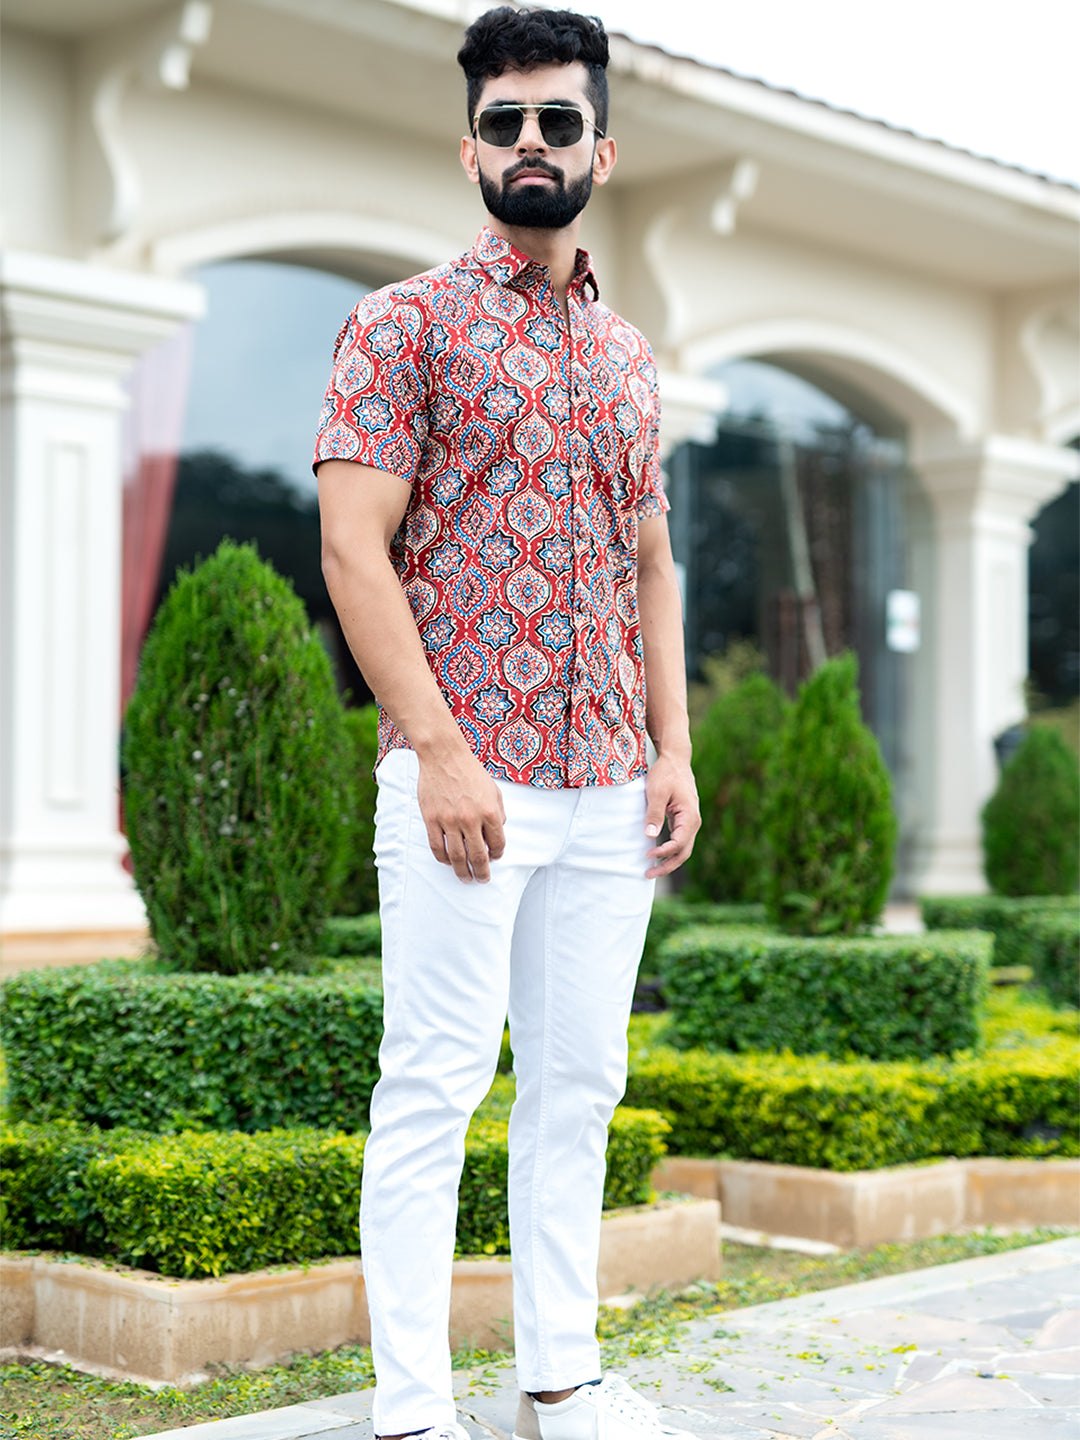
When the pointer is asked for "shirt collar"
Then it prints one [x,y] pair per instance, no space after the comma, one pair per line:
[504,262]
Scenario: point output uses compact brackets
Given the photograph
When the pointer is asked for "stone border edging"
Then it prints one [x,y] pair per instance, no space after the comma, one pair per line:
[151,1328]
[872,1207]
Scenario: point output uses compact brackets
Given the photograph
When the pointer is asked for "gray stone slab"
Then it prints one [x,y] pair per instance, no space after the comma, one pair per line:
[995,1425]
[1061,1328]
[1027,1323]
[356,1403]
[966,1393]
[1042,1362]
[293,1422]
[1052,1389]
[885,1359]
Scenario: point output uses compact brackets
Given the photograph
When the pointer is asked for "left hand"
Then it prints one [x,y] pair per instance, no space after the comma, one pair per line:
[671,794]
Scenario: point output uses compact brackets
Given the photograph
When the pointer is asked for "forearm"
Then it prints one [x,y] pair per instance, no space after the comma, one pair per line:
[660,607]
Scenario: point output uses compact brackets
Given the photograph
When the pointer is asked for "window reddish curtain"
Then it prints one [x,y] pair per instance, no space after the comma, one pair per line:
[152,434]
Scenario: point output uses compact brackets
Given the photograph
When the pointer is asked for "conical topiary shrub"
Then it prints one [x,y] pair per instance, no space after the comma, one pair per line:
[829,820]
[1031,823]
[238,788]
[732,747]
[360,891]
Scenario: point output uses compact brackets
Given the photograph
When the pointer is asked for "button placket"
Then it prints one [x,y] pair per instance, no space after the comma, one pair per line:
[581,542]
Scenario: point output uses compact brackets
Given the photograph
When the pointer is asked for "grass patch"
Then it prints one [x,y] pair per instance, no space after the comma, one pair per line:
[46,1402]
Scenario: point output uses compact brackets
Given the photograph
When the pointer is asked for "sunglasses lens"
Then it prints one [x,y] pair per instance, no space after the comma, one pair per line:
[501,125]
[561,127]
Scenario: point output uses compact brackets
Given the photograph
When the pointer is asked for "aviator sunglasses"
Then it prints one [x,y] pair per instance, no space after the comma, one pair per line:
[560,125]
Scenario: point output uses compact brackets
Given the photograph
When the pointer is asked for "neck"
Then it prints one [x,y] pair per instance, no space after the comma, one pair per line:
[557,249]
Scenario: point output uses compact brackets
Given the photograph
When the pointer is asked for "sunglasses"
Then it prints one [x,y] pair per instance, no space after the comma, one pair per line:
[560,125]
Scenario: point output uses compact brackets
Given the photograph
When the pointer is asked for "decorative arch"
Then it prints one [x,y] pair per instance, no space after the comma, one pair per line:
[848,361]
[359,246]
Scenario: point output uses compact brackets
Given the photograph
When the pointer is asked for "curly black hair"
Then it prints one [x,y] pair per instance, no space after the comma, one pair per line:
[510,39]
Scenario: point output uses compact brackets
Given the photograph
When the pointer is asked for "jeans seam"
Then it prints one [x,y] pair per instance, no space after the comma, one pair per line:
[543,1340]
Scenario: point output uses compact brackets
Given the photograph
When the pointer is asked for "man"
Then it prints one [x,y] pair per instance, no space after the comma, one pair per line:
[495,543]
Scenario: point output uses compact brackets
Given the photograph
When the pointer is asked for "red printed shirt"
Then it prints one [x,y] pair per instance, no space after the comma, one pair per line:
[532,454]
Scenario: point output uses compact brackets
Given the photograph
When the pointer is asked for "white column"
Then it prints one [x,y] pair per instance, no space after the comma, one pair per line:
[70,334]
[982,500]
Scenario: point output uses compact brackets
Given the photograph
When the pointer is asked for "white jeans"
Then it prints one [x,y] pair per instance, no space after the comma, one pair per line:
[555,938]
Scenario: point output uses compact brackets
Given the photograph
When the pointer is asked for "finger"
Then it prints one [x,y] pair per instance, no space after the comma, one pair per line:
[477,850]
[669,863]
[655,808]
[459,856]
[437,842]
[495,837]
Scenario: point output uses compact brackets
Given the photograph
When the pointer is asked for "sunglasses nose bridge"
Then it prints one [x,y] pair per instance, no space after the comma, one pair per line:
[530,136]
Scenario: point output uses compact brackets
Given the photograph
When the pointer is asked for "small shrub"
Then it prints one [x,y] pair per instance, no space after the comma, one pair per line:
[1018,1102]
[359,935]
[202,1204]
[996,913]
[787,1109]
[887,997]
[199,1203]
[112,1045]
[828,819]
[1040,931]
[47,1202]
[674,912]
[732,747]
[1050,944]
[1031,823]
[862,1115]
[360,891]
[238,794]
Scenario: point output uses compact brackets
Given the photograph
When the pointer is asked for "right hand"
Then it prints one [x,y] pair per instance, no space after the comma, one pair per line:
[464,815]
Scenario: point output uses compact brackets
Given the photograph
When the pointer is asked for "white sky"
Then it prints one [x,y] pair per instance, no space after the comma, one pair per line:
[1000,77]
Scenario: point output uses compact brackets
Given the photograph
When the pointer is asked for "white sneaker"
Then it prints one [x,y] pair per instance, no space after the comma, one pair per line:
[607,1411]
[440,1432]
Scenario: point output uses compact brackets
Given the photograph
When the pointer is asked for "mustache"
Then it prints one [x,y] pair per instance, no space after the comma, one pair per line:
[535,167]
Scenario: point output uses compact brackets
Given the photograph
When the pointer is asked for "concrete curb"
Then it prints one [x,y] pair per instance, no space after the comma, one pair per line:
[873,1207]
[155,1329]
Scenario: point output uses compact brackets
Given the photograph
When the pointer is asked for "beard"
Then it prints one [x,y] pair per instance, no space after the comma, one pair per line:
[535,207]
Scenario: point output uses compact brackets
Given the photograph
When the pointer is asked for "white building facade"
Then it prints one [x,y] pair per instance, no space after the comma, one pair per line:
[141,140]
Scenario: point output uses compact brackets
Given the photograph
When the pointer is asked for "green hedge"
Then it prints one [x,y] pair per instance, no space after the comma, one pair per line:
[198,1203]
[673,913]
[862,1115]
[1042,931]
[352,935]
[1050,944]
[990,912]
[888,997]
[121,1044]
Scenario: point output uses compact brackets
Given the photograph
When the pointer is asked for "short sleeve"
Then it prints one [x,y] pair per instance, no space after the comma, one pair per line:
[651,497]
[375,408]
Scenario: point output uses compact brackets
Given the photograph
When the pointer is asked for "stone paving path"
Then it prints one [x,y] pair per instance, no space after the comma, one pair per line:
[985,1349]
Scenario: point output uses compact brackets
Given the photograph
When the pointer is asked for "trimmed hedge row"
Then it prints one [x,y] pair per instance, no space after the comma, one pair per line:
[199,1203]
[1050,944]
[862,1115]
[892,997]
[352,935]
[1042,931]
[118,1045]
[990,912]
[672,914]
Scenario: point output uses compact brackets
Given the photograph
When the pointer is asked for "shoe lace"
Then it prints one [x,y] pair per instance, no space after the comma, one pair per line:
[625,1401]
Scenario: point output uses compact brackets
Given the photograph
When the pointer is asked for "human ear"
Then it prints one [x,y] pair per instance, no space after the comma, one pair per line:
[468,159]
[604,157]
